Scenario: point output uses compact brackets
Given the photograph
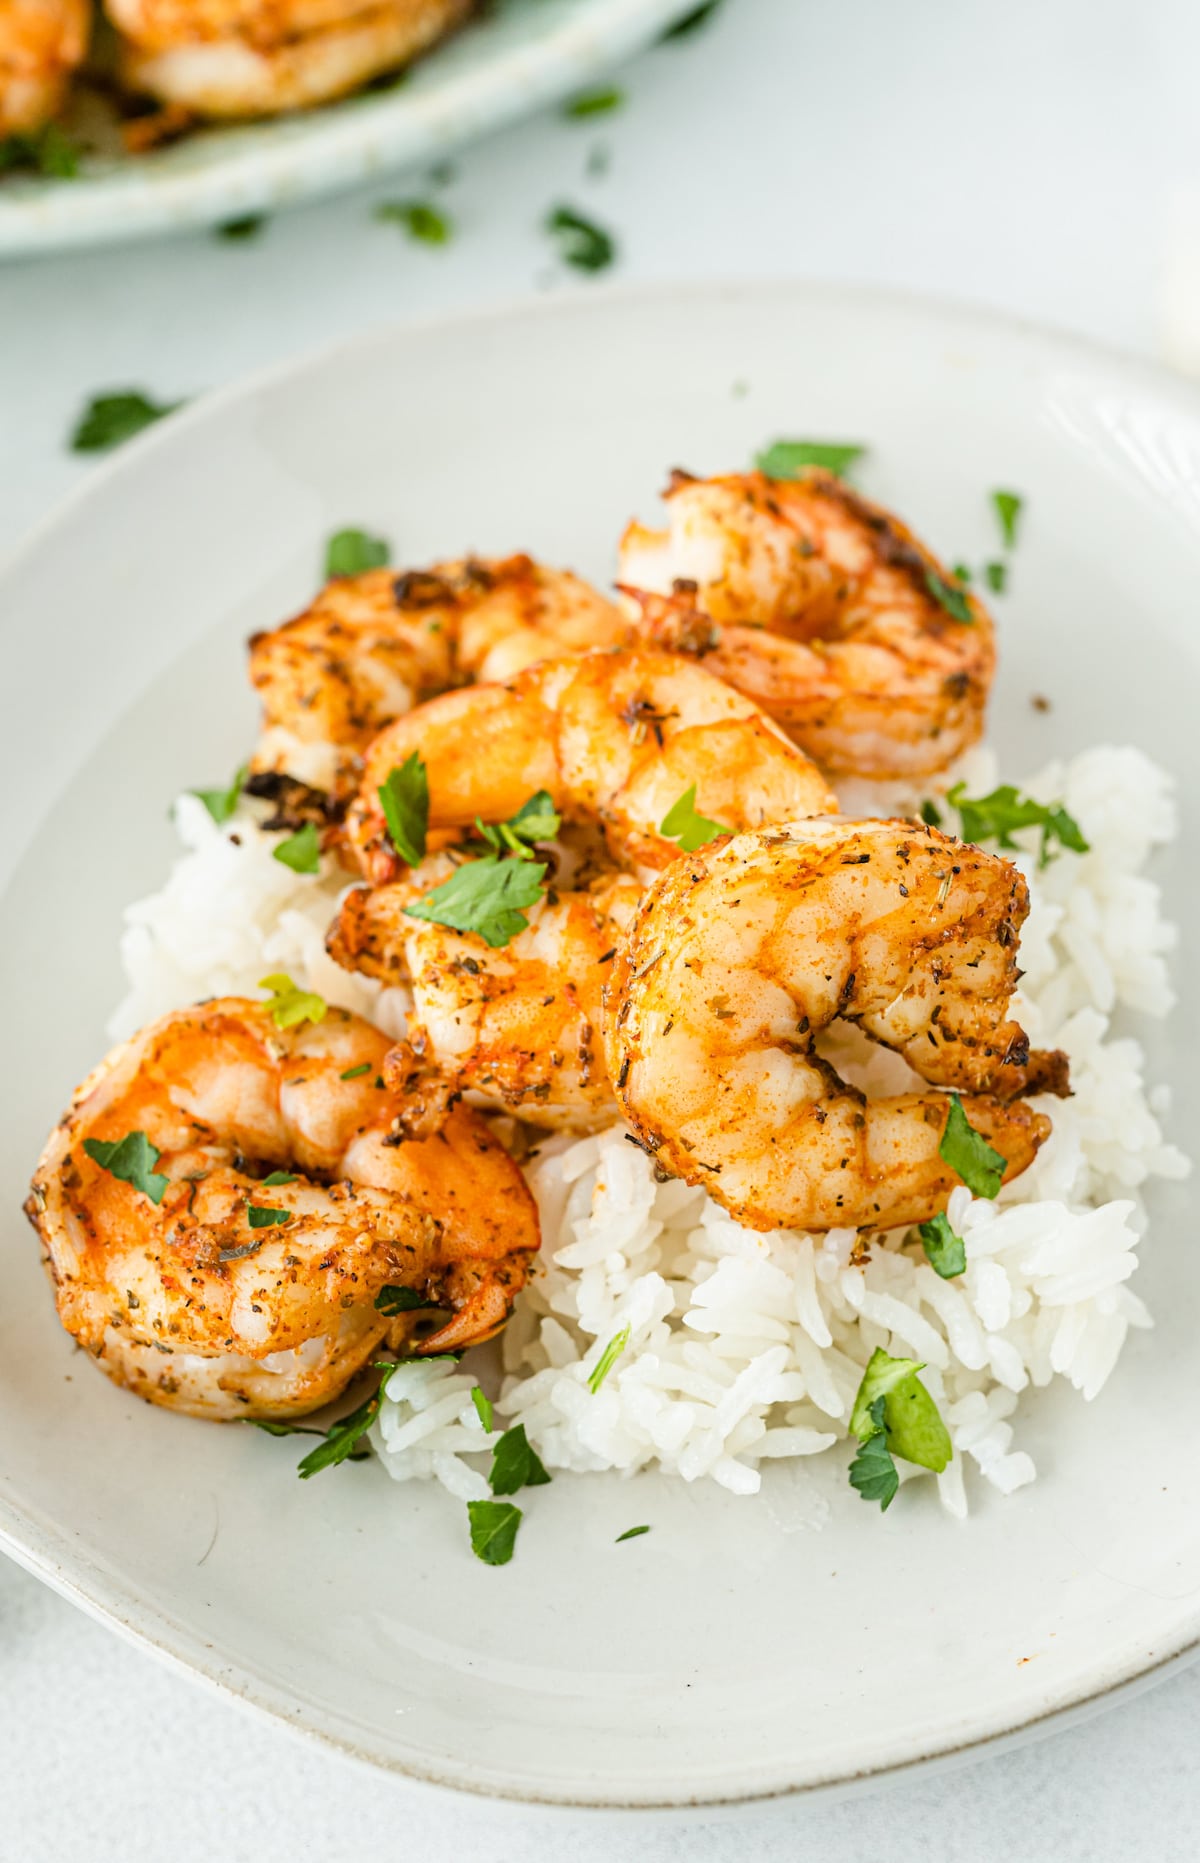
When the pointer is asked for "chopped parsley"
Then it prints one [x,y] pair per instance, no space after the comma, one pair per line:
[488,896]
[352,552]
[289,1004]
[420,220]
[132,1159]
[404,799]
[393,1300]
[279,1177]
[581,242]
[949,597]
[691,22]
[930,813]
[996,577]
[894,1414]
[961,573]
[945,1251]
[493,1530]
[301,851]
[682,823]
[785,459]
[46,151]
[997,817]
[966,1151]
[356,1073]
[1008,506]
[535,820]
[608,1359]
[248,226]
[594,103]
[630,1533]
[342,1438]
[221,803]
[110,420]
[263,1216]
[515,1464]
[483,1407]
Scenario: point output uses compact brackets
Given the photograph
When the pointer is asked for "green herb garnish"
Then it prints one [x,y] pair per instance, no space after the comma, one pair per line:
[581,242]
[493,1530]
[263,1216]
[949,597]
[483,1407]
[301,851]
[682,823]
[279,1177]
[535,820]
[47,151]
[420,220]
[221,803]
[289,1004]
[996,577]
[608,1359]
[248,226]
[930,813]
[356,1073]
[630,1533]
[404,799]
[945,1251]
[488,896]
[691,22]
[132,1159]
[353,552]
[594,103]
[786,459]
[393,1300]
[342,1438]
[873,1472]
[110,420]
[515,1464]
[1007,506]
[893,1405]
[968,1153]
[998,816]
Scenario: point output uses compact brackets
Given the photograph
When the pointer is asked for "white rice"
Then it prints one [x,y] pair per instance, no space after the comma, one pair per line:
[742,1347]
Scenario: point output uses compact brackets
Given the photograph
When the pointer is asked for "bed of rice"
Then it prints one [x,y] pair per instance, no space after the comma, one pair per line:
[744,1347]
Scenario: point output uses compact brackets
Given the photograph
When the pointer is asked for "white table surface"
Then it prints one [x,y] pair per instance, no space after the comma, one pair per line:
[1036,157]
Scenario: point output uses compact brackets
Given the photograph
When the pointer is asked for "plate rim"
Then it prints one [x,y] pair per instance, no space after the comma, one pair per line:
[48,1553]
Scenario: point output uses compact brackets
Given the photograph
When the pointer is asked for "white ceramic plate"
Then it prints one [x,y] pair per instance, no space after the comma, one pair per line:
[520,55]
[734,1651]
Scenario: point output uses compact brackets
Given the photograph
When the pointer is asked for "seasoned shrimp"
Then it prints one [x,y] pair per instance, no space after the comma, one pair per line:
[190,1289]
[236,58]
[614,737]
[741,955]
[41,43]
[372,646]
[823,608]
[519,1025]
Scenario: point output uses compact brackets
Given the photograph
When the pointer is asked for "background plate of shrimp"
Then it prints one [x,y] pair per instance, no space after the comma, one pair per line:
[199,112]
[293,1166]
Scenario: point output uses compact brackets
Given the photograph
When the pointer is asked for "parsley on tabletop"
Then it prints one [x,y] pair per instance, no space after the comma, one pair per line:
[487,896]
[967,1152]
[1008,507]
[290,1004]
[493,1530]
[301,851]
[515,1464]
[607,1359]
[221,803]
[131,1159]
[420,220]
[404,799]
[785,459]
[630,1533]
[945,1251]
[996,577]
[684,824]
[594,103]
[581,243]
[352,552]
[110,420]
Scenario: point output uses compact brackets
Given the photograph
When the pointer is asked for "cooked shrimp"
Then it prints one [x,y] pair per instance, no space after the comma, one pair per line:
[41,43]
[519,1025]
[195,1301]
[741,955]
[822,608]
[373,646]
[614,737]
[236,58]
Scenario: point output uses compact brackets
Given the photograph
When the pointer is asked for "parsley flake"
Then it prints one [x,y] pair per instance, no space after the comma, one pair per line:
[420,220]
[930,813]
[581,242]
[289,1004]
[996,577]
[404,799]
[1008,506]
[483,1407]
[968,1153]
[607,1359]
[493,1530]
[630,1533]
[341,1439]
[352,552]
[949,597]
[682,823]
[691,22]
[873,1472]
[279,1177]
[47,151]
[392,1300]
[945,1251]
[110,420]
[221,803]
[786,459]
[131,1159]
[535,820]
[894,1412]
[263,1216]
[997,817]
[488,896]
[515,1464]
[356,1073]
[594,103]
[248,226]
[301,851]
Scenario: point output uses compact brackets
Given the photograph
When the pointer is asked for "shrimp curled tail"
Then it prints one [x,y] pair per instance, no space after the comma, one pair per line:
[742,954]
